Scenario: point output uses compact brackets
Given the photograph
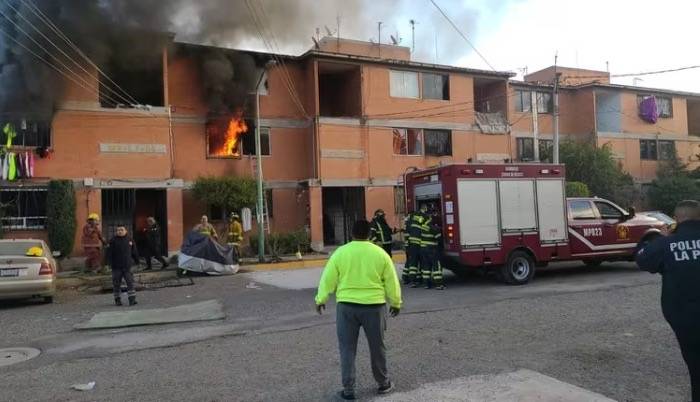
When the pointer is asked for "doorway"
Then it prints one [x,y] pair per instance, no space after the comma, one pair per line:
[130,208]
[342,206]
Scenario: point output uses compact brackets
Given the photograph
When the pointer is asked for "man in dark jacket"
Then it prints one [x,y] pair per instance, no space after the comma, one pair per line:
[380,232]
[152,243]
[677,258]
[120,255]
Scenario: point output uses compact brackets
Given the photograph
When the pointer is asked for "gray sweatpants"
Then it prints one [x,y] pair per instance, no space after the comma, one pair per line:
[372,318]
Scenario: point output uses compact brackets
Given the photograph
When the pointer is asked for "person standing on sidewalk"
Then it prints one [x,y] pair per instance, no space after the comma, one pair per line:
[92,242]
[677,258]
[120,254]
[153,248]
[363,278]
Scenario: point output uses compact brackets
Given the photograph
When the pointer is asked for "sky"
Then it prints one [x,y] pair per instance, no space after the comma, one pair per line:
[631,36]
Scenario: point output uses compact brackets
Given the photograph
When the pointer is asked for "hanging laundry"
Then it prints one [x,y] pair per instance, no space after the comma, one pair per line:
[20,166]
[10,133]
[12,167]
[648,110]
[5,166]
[30,158]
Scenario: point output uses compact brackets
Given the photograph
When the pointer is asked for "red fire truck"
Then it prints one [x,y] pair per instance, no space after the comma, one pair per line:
[514,217]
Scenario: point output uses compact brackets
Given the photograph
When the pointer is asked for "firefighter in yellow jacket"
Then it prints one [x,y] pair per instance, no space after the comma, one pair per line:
[235,231]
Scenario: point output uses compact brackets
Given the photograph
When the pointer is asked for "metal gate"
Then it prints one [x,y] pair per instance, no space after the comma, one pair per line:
[342,206]
[118,208]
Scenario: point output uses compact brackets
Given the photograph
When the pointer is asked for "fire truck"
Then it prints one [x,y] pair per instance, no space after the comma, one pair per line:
[512,218]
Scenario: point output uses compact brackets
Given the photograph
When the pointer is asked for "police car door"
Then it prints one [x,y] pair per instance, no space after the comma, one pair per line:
[585,228]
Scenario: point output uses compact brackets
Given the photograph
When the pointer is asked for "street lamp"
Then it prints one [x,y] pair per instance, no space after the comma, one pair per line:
[258,157]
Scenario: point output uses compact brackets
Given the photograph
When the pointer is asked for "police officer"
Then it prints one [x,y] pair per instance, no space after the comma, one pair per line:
[677,258]
[380,232]
[429,251]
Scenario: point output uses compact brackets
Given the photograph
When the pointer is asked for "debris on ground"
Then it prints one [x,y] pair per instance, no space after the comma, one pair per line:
[252,285]
[84,387]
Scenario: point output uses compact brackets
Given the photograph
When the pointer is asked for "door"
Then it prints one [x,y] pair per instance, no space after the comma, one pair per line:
[478,213]
[585,228]
[615,230]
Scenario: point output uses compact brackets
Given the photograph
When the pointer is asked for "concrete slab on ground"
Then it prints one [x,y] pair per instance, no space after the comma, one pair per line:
[519,386]
[202,311]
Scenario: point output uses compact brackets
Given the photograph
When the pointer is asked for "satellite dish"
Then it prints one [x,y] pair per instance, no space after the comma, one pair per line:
[316,45]
[328,30]
[393,40]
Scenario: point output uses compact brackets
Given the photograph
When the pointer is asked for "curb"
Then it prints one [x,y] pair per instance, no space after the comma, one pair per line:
[399,257]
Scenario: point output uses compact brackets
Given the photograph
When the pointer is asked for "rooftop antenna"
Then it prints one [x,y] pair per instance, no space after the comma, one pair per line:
[413,34]
[394,40]
[328,31]
[316,45]
[379,41]
[337,31]
[636,81]
[607,66]
[318,33]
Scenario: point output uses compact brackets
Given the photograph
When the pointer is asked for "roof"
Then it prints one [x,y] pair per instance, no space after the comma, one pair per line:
[631,88]
[366,59]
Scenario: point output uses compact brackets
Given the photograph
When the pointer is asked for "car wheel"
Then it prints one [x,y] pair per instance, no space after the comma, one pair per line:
[48,299]
[519,269]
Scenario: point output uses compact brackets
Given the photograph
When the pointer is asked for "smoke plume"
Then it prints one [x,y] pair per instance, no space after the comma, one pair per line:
[129,34]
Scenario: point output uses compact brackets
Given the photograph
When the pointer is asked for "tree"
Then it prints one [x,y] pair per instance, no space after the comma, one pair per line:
[598,169]
[60,216]
[577,189]
[228,193]
[673,184]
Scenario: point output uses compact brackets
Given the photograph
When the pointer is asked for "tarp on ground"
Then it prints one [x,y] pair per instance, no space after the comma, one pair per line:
[202,311]
[200,253]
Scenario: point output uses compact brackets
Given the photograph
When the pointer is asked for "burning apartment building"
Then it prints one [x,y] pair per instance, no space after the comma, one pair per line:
[142,116]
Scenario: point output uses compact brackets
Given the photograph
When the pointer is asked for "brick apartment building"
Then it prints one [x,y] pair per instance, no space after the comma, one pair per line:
[340,125]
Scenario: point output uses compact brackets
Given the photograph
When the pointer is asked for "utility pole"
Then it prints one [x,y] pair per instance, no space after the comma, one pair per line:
[413,35]
[557,75]
[259,176]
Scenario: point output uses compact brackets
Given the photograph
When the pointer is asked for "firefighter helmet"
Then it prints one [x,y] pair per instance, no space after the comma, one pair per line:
[93,216]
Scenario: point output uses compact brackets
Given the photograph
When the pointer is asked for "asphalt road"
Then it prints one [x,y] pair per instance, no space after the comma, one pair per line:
[597,328]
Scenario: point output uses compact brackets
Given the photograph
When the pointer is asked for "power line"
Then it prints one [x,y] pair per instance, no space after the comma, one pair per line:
[462,35]
[671,70]
[19,14]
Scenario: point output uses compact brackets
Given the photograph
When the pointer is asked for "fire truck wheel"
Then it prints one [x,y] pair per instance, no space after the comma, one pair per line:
[519,269]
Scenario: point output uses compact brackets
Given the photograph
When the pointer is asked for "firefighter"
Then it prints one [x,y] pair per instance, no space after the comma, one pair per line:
[414,227]
[206,228]
[380,232]
[235,232]
[92,242]
[431,270]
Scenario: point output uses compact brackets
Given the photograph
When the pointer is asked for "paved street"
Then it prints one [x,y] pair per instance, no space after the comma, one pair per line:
[599,329]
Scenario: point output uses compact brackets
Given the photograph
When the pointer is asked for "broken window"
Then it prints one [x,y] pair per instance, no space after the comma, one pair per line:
[436,86]
[667,150]
[249,142]
[26,133]
[23,208]
[522,101]
[407,141]
[544,102]
[139,84]
[647,149]
[403,84]
[438,142]
[525,149]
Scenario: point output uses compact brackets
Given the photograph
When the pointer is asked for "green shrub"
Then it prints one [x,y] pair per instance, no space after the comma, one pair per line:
[577,189]
[284,243]
[228,193]
[60,216]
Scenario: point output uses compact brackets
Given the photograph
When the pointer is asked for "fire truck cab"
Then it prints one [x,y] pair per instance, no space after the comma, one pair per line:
[514,217]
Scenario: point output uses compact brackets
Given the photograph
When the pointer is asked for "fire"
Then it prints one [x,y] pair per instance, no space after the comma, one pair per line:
[224,135]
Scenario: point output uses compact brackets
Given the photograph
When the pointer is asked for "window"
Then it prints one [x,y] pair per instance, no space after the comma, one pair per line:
[407,141]
[436,86]
[607,211]
[248,145]
[544,102]
[664,105]
[525,148]
[546,150]
[399,200]
[26,133]
[581,210]
[523,101]
[24,208]
[647,149]
[667,150]
[403,84]
[438,142]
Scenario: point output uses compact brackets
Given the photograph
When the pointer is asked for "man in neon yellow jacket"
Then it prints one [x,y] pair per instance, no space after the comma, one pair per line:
[363,278]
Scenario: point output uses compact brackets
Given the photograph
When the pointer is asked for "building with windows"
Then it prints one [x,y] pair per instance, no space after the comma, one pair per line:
[339,125]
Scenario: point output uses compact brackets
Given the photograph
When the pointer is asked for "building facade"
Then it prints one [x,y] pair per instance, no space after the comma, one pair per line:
[339,124]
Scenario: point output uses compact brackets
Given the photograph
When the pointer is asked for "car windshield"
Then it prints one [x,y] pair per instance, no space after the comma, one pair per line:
[17,247]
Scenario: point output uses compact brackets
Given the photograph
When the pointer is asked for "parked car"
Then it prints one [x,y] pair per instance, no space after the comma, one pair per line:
[27,270]
[667,220]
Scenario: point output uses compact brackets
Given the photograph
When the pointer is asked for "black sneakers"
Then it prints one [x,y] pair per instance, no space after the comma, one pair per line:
[132,300]
[117,301]
[385,389]
[347,395]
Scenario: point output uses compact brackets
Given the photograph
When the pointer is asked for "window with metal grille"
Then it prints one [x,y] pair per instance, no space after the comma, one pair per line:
[647,149]
[438,142]
[407,141]
[23,208]
[544,102]
[436,86]
[248,145]
[546,150]
[25,133]
[526,149]
[667,150]
[523,101]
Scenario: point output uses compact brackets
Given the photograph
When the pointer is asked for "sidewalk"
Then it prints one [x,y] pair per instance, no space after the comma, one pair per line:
[75,279]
